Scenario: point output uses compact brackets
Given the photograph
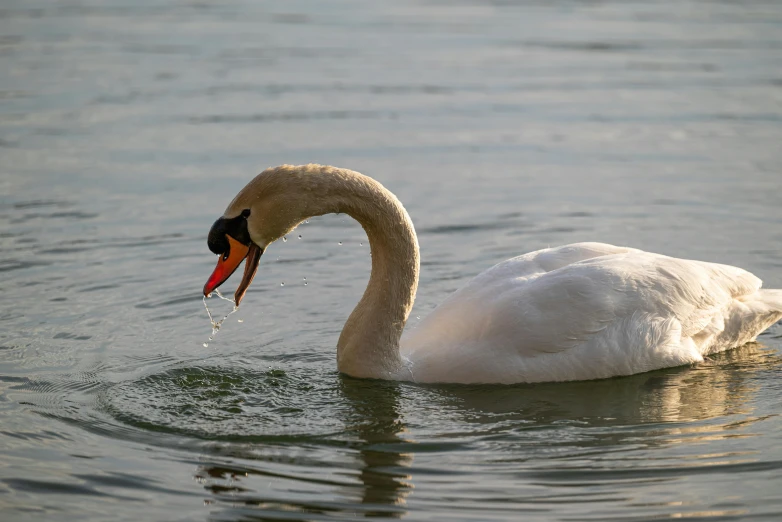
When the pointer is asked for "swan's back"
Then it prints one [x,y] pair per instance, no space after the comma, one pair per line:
[587,311]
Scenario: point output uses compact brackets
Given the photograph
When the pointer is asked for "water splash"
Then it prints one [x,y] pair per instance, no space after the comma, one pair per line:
[217,324]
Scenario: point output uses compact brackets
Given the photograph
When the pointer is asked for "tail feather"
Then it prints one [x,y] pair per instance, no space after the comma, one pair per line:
[771,298]
[742,322]
[763,309]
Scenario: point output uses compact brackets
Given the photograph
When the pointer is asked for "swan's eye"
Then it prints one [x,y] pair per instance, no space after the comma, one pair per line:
[246,213]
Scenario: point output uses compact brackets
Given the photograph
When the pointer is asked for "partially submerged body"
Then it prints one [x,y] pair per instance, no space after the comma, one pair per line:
[587,311]
[581,311]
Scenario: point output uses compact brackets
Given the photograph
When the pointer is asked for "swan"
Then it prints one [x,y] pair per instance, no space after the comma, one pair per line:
[574,312]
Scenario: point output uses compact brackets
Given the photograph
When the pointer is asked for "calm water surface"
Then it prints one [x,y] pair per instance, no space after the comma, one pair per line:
[127,126]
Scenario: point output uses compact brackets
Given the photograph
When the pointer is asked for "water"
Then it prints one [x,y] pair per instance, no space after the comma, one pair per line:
[216,325]
[127,127]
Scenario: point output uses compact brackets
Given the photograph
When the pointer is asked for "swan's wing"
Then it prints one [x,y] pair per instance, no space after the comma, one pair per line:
[616,310]
[545,260]
[518,302]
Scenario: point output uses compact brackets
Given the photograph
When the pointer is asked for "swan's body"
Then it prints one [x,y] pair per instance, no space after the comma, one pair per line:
[588,311]
[581,311]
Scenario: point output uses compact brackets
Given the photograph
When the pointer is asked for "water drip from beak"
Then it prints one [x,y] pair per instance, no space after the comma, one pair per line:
[217,324]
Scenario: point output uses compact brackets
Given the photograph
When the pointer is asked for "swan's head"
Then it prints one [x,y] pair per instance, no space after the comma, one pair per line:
[269,207]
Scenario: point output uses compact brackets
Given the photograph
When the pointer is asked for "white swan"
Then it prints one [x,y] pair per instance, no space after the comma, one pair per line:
[581,311]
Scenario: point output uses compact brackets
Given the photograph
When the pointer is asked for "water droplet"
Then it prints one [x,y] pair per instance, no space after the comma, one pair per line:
[340,243]
[418,317]
[361,244]
[217,324]
[240,320]
[306,220]
[299,236]
[282,284]
[284,239]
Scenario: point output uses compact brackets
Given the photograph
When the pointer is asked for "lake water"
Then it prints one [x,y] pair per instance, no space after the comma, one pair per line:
[127,126]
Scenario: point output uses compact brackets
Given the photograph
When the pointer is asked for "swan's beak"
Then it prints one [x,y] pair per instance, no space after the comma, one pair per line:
[229,261]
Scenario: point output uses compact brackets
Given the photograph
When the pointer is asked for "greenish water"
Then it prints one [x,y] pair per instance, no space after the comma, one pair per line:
[126,128]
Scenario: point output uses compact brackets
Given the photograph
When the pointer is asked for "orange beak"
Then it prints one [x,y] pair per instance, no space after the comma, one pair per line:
[229,262]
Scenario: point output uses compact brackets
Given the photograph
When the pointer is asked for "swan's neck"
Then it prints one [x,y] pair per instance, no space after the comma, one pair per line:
[369,343]
[284,196]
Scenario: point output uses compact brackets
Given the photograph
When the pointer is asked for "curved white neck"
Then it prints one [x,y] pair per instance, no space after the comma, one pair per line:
[369,343]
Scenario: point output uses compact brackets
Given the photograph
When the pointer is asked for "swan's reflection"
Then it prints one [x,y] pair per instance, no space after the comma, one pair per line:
[314,475]
[366,470]
[669,401]
[375,418]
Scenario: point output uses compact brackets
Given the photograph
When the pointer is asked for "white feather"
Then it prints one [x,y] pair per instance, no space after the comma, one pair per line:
[587,311]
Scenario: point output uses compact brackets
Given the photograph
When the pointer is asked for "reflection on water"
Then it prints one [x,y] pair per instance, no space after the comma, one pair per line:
[374,482]
[718,387]
[305,444]
[295,444]
[377,423]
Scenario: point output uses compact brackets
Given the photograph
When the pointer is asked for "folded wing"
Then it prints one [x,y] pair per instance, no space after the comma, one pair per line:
[588,310]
